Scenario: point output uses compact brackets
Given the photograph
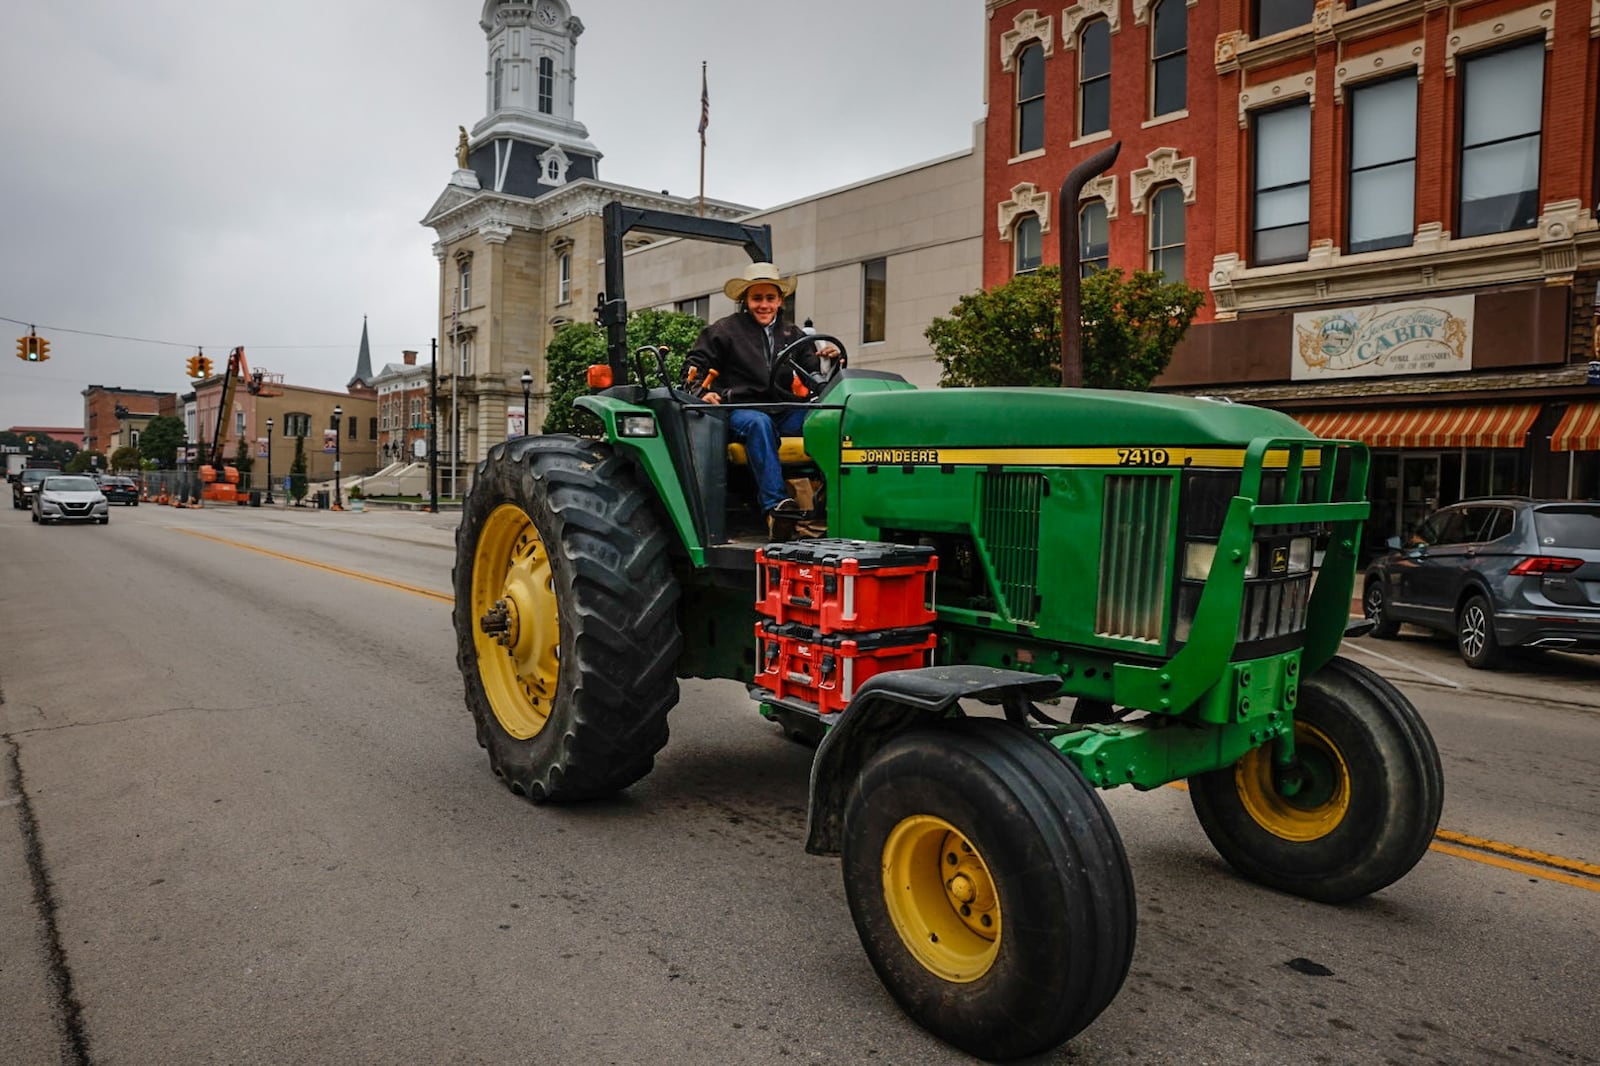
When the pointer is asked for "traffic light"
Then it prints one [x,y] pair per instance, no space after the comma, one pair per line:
[205,366]
[28,348]
[41,349]
[193,366]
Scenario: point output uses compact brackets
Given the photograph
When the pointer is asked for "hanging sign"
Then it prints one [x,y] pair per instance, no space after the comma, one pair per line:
[1380,340]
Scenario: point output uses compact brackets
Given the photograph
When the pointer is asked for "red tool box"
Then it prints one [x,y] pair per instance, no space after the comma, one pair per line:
[846,586]
[798,664]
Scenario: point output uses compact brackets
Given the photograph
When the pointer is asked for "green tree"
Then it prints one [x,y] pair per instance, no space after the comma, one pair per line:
[125,458]
[297,471]
[579,345]
[160,439]
[84,462]
[1011,335]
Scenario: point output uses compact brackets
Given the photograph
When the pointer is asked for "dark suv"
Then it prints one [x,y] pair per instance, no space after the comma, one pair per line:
[27,483]
[1498,573]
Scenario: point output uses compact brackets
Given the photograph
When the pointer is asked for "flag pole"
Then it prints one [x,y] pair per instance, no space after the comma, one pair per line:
[705,120]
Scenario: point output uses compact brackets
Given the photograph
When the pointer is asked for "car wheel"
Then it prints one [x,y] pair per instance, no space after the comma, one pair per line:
[1475,638]
[1374,604]
[106,521]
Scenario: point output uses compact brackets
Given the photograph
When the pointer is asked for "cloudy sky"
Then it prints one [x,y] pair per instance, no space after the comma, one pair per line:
[181,174]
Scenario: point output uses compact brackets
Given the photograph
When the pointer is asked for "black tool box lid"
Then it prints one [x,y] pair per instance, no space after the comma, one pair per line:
[832,551]
[912,636]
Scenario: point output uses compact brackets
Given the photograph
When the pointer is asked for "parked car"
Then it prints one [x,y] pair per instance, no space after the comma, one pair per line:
[1501,572]
[70,498]
[118,489]
[27,483]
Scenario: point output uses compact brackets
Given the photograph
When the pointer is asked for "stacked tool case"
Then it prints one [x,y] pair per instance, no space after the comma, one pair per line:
[835,613]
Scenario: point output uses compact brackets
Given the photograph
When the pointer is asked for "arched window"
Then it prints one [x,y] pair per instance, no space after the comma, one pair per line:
[1094,77]
[547,85]
[1094,239]
[1030,98]
[1030,244]
[1167,232]
[1169,57]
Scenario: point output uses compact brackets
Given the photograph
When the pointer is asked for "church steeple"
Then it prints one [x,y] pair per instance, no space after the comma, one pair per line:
[363,378]
[530,140]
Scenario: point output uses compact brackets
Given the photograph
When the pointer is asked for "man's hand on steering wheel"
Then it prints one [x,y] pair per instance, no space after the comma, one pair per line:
[786,365]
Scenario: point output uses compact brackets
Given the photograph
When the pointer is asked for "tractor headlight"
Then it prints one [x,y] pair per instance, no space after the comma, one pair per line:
[1253,566]
[1197,559]
[1300,555]
[636,426]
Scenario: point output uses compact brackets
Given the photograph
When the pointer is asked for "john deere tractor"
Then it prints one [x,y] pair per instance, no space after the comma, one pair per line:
[1126,589]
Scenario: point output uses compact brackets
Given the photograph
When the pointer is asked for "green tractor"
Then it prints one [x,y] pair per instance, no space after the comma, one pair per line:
[1170,577]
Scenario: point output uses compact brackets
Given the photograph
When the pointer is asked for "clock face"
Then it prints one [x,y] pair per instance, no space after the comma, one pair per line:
[548,14]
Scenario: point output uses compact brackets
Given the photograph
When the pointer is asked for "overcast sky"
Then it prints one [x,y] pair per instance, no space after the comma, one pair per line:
[232,173]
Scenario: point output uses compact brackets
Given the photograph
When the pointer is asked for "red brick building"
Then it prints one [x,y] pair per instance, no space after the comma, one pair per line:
[114,417]
[1391,205]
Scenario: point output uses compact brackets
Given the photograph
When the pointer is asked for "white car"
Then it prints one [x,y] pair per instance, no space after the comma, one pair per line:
[70,498]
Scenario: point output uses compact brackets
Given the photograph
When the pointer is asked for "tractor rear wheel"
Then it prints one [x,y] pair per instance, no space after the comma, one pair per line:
[566,618]
[1357,810]
[989,887]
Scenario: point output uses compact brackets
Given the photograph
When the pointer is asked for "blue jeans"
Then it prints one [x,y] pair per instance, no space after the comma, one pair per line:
[759,431]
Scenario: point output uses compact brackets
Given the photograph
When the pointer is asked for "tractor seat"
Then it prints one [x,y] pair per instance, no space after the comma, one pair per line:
[791,450]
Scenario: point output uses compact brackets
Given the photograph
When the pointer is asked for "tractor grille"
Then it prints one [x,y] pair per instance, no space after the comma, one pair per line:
[1010,531]
[1133,557]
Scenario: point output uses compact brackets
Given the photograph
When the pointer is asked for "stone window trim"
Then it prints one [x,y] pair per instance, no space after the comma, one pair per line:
[1026,199]
[1164,167]
[1141,10]
[562,244]
[1076,15]
[1027,27]
[1102,188]
[1272,93]
[463,257]
[1375,65]
[1493,32]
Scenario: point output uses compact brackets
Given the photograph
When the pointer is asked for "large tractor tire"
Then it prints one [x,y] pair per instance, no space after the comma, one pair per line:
[1369,793]
[566,625]
[989,887]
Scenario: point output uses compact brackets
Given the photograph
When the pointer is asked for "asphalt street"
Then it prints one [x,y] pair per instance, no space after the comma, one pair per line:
[243,819]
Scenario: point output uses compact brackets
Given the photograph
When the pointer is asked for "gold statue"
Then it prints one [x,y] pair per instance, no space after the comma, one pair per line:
[461,148]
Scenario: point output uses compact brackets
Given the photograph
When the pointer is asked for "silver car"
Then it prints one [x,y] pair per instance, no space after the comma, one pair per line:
[70,498]
[1502,572]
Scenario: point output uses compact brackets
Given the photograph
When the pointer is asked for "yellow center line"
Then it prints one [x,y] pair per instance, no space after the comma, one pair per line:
[341,571]
[1495,853]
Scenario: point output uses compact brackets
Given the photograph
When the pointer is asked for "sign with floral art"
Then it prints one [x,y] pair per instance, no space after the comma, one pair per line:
[1380,340]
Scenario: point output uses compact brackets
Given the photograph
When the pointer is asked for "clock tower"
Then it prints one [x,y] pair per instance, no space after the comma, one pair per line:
[529,141]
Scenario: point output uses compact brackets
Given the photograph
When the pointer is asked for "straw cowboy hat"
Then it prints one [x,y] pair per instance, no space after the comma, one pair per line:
[758,274]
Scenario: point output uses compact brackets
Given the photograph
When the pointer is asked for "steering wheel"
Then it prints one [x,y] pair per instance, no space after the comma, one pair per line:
[786,366]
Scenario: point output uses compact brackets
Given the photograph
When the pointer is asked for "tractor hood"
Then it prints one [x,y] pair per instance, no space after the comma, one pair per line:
[1053,418]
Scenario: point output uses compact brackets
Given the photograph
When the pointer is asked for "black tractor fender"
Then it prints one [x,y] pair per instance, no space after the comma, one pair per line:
[890,704]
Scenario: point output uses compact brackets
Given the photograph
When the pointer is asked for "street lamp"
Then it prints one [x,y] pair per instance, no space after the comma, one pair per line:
[269,462]
[338,412]
[527,383]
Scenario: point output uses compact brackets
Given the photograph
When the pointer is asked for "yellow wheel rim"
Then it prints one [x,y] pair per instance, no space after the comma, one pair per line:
[941,899]
[516,629]
[1320,805]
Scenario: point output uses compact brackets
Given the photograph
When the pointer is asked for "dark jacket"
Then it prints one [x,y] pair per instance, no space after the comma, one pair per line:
[737,347]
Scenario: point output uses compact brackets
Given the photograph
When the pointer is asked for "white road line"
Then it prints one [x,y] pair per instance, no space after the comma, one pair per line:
[1403,665]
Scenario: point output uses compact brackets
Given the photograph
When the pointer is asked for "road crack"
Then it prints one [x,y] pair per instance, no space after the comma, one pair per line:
[68,1012]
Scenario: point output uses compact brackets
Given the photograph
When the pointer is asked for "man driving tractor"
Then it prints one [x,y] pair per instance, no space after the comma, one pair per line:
[733,358]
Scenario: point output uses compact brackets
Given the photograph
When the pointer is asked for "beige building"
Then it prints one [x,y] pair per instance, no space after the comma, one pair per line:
[876,262]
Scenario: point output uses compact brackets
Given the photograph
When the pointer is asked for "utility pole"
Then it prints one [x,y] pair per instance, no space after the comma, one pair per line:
[433,426]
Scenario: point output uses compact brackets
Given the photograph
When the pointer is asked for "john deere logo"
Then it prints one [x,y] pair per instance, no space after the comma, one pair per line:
[1280,560]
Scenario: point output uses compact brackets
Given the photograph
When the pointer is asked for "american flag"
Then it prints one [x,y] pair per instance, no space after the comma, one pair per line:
[705,103]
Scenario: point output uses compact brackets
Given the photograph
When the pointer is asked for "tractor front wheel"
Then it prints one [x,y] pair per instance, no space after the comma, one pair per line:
[1354,812]
[989,887]
[565,618]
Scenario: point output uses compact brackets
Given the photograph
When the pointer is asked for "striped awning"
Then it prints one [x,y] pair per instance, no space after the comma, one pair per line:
[1504,426]
[1579,430]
